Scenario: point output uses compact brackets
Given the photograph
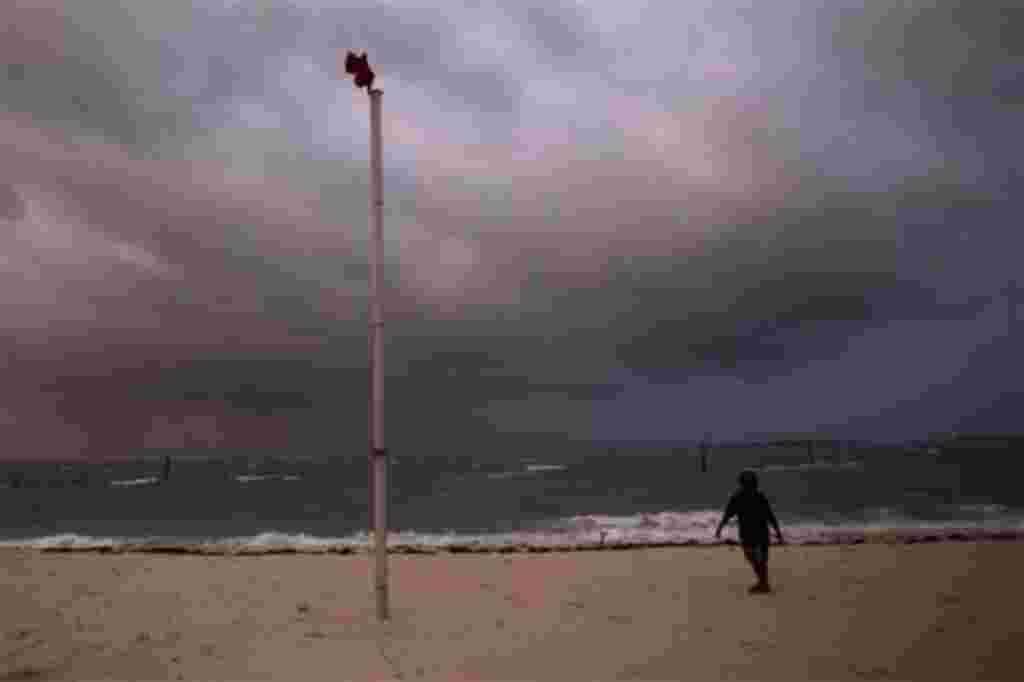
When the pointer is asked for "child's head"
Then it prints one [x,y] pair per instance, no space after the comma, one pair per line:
[747,480]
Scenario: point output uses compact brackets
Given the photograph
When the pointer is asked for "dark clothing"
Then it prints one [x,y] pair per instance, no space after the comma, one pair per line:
[756,554]
[755,514]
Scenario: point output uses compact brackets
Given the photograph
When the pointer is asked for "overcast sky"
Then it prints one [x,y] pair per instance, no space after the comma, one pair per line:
[604,222]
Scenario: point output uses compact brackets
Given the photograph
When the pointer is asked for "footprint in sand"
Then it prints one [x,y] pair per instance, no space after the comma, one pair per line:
[875,673]
[20,634]
[755,646]
[29,672]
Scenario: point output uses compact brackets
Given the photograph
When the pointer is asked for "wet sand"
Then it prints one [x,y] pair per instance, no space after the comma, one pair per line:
[932,611]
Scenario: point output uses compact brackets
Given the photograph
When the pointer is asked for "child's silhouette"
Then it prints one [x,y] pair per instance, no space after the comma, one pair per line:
[755,514]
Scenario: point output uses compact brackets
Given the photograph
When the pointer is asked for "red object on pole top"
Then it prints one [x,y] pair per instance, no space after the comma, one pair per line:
[358,66]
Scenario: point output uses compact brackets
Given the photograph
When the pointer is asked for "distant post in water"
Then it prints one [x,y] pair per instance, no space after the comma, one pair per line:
[364,76]
[704,447]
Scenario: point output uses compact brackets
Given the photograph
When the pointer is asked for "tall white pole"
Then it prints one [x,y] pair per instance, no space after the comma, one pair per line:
[378,454]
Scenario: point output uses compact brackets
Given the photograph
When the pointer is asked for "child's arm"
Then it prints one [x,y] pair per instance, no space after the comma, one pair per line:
[730,511]
[774,521]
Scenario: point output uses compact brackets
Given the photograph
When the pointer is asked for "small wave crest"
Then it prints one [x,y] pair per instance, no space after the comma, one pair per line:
[253,478]
[821,465]
[982,509]
[528,471]
[509,474]
[133,482]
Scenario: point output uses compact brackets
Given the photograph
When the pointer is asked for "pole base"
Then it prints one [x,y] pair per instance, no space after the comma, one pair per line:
[382,602]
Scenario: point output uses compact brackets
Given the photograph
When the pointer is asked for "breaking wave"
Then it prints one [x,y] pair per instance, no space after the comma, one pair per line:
[576,533]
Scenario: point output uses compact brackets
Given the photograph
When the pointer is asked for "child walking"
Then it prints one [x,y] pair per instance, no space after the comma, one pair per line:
[755,514]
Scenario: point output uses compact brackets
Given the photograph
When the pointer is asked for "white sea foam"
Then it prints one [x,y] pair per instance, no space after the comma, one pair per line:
[278,540]
[669,527]
[65,540]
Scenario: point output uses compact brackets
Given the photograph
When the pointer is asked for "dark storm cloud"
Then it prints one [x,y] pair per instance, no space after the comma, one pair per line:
[857,260]
[153,74]
[423,46]
[582,199]
[105,76]
[416,45]
[12,207]
[263,387]
[506,366]
[799,265]
[563,32]
[948,67]
[949,47]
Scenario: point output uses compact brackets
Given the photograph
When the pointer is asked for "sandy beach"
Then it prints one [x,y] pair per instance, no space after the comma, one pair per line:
[940,611]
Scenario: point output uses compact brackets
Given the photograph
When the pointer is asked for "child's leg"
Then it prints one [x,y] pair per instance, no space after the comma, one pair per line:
[751,553]
[761,566]
[757,555]
[748,552]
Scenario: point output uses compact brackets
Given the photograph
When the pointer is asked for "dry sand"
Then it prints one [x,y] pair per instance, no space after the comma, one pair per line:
[944,611]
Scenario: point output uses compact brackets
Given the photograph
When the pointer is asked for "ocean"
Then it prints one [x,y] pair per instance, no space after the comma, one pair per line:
[545,499]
